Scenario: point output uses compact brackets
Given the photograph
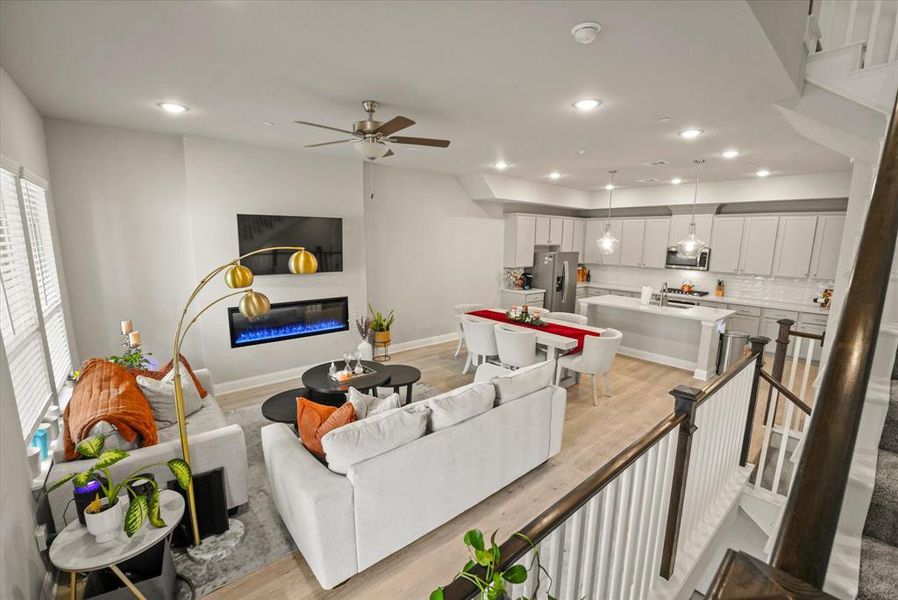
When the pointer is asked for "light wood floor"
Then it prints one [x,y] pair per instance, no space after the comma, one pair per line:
[592,435]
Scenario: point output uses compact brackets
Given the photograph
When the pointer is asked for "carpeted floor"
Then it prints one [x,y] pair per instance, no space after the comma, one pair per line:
[266,538]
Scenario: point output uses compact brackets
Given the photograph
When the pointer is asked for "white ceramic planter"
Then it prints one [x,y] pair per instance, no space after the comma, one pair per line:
[365,350]
[107,525]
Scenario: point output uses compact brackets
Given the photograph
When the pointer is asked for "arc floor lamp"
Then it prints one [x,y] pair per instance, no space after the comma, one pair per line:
[252,305]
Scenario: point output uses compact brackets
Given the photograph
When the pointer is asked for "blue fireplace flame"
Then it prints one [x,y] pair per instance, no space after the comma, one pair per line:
[291,330]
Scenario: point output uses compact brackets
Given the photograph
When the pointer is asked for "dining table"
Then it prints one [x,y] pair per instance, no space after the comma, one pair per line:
[555,345]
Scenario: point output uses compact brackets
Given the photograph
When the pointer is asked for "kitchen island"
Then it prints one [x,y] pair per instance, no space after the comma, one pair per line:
[683,337]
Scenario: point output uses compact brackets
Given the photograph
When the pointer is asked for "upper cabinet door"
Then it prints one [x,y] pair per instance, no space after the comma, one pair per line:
[758,245]
[567,235]
[794,243]
[556,231]
[616,231]
[542,231]
[679,228]
[631,240]
[654,248]
[519,237]
[827,244]
[579,237]
[726,244]
[593,231]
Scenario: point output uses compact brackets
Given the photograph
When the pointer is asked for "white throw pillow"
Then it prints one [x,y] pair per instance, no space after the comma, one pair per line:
[113,439]
[367,406]
[375,435]
[459,405]
[524,381]
[161,396]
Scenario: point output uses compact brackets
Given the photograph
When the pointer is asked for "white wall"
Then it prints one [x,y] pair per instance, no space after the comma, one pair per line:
[429,247]
[21,566]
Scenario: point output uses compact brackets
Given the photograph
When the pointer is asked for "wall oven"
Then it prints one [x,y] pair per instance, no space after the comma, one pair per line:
[700,263]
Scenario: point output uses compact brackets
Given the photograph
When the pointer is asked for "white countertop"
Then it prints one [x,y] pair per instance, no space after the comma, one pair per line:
[813,309]
[693,313]
[523,291]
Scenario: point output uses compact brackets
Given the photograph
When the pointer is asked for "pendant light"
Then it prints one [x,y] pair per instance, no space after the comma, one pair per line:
[608,243]
[691,245]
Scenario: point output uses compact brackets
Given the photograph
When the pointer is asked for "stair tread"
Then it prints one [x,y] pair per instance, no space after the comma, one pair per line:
[879,577]
[882,517]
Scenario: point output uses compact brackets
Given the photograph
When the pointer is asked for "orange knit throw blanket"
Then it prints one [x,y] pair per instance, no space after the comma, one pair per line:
[107,392]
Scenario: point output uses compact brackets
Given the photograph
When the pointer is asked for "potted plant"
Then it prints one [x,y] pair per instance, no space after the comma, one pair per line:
[134,358]
[380,325]
[103,517]
[483,569]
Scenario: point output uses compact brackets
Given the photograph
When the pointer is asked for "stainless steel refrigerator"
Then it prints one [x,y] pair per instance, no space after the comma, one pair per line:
[556,272]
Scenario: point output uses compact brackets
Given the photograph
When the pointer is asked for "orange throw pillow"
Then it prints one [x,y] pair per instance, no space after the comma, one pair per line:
[314,420]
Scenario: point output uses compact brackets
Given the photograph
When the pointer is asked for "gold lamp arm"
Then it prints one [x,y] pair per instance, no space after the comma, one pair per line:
[207,307]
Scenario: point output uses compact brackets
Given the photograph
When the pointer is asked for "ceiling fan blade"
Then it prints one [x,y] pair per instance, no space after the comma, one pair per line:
[419,141]
[394,125]
[325,127]
[329,143]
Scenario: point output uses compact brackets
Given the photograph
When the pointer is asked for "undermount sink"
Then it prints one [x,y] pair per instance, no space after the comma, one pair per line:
[681,306]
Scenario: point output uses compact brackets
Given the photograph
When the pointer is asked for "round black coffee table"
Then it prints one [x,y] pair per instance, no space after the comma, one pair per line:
[402,376]
[320,382]
[281,408]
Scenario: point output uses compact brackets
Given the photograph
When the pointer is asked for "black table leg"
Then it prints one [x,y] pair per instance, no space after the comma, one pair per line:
[408,394]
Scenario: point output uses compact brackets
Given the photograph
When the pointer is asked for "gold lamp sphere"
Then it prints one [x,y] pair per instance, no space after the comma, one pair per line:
[238,277]
[254,304]
[303,262]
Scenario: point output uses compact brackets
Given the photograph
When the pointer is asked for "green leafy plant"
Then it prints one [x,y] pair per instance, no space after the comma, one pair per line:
[134,359]
[379,322]
[483,569]
[141,506]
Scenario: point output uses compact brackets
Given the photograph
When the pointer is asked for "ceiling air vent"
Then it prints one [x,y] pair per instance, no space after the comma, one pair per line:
[656,163]
[648,180]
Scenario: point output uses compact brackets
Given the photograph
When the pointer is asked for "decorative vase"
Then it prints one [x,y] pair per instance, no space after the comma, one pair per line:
[366,352]
[382,337]
[105,525]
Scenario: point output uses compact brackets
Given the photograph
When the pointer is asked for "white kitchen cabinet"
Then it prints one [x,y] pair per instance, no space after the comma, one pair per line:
[749,325]
[579,238]
[521,297]
[543,225]
[556,231]
[520,232]
[827,243]
[595,228]
[654,248]
[758,245]
[794,243]
[631,241]
[726,244]
[567,235]
[679,228]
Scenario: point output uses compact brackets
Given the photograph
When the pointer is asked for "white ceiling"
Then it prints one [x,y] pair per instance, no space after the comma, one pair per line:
[496,78]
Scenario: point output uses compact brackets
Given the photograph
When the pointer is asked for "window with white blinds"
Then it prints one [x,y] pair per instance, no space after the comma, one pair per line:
[19,324]
[44,260]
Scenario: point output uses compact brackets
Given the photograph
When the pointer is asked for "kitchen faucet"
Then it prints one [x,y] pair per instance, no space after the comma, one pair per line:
[662,297]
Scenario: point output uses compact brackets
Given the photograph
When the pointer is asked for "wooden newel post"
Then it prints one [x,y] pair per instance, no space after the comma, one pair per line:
[779,358]
[685,399]
[757,347]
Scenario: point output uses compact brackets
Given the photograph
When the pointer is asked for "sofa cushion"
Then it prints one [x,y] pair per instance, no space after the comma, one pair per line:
[459,405]
[209,418]
[368,406]
[160,393]
[375,435]
[524,381]
[314,420]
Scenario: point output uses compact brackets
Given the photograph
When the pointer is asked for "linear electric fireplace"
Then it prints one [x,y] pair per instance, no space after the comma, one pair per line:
[289,320]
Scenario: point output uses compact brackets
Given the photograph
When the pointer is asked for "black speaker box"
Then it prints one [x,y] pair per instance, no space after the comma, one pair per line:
[211,507]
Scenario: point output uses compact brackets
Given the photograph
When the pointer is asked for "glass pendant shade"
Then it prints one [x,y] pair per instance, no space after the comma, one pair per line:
[691,245]
[608,243]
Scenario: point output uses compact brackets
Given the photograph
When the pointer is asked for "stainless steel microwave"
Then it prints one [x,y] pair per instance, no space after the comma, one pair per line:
[699,263]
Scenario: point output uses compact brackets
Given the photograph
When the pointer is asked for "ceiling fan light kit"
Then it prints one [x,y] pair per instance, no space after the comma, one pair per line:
[371,137]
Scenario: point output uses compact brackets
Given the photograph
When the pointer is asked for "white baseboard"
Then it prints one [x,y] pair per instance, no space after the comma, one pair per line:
[295,373]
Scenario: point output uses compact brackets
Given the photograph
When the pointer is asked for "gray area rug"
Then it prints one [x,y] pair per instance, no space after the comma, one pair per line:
[266,539]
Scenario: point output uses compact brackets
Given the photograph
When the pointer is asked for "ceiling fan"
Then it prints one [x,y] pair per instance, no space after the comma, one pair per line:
[371,137]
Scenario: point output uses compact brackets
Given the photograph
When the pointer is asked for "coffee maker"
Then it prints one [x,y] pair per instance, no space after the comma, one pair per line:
[527,279]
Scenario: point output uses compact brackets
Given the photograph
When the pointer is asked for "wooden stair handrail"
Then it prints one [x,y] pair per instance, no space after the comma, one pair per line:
[805,539]
[782,389]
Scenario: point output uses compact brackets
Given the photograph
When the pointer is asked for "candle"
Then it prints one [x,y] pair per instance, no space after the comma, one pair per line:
[134,338]
[126,327]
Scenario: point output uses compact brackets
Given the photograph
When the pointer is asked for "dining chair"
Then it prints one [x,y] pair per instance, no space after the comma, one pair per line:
[480,338]
[595,359]
[459,310]
[569,317]
[517,347]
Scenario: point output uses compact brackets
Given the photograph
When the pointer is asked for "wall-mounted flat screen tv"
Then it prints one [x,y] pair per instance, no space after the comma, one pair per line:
[323,236]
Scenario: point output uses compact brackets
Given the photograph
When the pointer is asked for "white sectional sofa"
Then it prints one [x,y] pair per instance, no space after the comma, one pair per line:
[213,444]
[343,524]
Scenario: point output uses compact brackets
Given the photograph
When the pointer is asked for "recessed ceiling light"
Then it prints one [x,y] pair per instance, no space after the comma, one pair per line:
[581,152]
[676,181]
[762,173]
[610,187]
[663,119]
[586,33]
[554,175]
[691,133]
[172,107]
[268,123]
[730,153]
[587,104]
[501,165]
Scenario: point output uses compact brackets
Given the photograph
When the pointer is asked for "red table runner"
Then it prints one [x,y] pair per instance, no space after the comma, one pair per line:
[562,330]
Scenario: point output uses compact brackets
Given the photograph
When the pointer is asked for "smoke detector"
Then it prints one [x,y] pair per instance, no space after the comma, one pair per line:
[586,33]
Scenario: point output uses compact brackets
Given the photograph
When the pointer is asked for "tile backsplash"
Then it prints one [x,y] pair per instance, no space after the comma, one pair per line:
[781,289]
